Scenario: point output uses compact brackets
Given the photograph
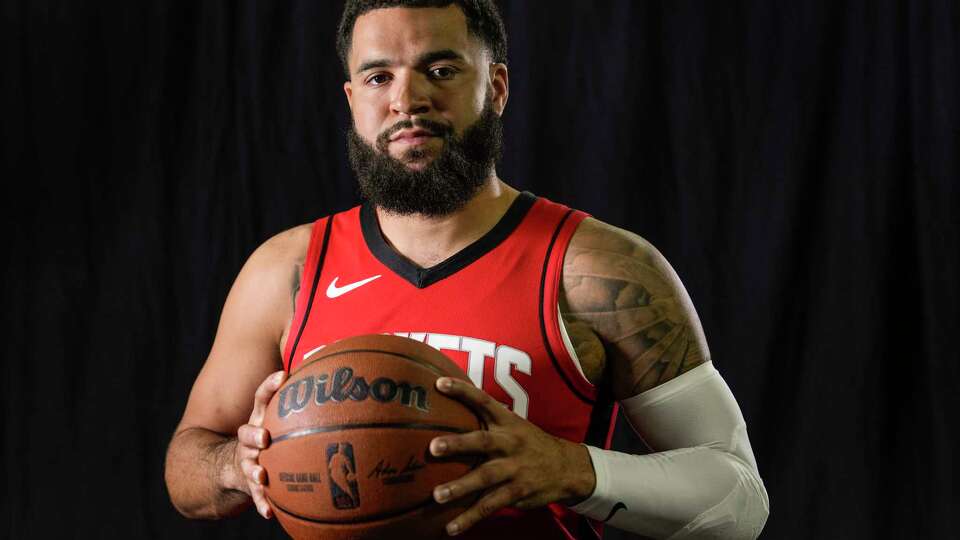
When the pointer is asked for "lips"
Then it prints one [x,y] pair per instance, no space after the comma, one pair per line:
[412,136]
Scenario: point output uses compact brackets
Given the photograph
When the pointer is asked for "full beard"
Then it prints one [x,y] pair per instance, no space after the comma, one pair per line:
[446,184]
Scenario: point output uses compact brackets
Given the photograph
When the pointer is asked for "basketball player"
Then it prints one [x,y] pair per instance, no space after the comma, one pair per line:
[553,315]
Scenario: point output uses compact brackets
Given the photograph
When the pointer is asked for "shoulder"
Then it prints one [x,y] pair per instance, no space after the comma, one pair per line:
[287,246]
[624,290]
[594,238]
[617,254]
[278,256]
[265,285]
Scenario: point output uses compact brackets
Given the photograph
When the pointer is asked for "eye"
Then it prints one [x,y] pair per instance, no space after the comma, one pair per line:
[443,72]
[378,79]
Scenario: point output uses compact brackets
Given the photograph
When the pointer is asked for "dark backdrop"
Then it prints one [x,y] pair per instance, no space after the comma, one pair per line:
[797,162]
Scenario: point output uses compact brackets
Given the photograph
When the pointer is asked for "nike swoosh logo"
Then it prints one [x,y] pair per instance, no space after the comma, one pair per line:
[616,508]
[333,291]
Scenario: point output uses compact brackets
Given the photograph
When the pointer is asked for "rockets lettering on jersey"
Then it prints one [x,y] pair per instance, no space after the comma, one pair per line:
[491,308]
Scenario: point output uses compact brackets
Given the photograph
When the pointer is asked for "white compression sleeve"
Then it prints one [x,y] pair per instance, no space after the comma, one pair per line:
[702,482]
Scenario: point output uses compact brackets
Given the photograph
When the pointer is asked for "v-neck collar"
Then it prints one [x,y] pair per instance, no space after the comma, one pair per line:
[424,277]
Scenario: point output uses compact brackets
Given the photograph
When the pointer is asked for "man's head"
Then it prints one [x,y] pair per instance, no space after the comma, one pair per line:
[483,23]
[426,85]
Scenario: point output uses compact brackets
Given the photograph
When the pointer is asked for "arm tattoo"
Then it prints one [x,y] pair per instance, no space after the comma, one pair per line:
[295,289]
[623,289]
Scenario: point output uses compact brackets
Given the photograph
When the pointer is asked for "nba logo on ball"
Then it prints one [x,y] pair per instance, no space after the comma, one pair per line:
[342,470]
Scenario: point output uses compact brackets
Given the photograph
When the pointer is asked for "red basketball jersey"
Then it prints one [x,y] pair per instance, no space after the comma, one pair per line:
[491,308]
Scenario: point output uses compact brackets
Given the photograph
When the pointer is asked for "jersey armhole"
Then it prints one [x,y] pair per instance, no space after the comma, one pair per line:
[561,349]
[568,345]
[312,268]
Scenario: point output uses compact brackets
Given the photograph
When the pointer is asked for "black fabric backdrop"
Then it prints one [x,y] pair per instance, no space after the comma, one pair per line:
[796,162]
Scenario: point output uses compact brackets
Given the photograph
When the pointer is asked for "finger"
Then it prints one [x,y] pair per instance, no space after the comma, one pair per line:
[486,476]
[485,507]
[264,392]
[245,452]
[471,395]
[253,436]
[253,471]
[475,442]
[260,501]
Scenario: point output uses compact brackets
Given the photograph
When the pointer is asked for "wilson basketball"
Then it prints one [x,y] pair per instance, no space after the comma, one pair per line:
[350,431]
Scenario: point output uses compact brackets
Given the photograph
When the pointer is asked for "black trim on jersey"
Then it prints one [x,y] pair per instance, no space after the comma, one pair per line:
[599,429]
[601,420]
[424,277]
[313,291]
[586,529]
[543,323]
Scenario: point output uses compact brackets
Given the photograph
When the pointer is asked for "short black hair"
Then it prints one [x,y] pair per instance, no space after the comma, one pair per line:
[483,21]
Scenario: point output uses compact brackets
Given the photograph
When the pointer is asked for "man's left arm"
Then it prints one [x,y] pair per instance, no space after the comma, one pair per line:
[635,328]
[702,479]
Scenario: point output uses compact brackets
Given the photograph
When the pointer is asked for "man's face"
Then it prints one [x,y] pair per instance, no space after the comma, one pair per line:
[426,104]
[414,73]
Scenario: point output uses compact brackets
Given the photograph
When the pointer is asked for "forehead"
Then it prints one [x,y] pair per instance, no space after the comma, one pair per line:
[404,33]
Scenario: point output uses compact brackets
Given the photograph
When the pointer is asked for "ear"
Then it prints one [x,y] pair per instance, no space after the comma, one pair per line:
[500,86]
[348,90]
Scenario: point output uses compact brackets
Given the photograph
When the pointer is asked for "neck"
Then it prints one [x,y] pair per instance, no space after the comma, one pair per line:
[427,241]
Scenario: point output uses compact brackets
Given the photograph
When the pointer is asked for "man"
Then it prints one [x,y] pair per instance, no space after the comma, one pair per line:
[549,312]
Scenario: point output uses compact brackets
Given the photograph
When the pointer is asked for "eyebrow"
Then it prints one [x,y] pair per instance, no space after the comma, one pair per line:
[424,59]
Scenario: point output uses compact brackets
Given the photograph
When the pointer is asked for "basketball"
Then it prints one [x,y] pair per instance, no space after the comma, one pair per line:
[350,431]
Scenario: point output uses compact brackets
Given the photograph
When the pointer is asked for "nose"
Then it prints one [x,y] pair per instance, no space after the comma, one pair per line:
[410,95]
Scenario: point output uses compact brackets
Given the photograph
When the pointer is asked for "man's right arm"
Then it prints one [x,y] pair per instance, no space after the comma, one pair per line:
[209,472]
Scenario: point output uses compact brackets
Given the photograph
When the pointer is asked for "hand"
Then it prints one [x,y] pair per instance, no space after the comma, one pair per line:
[251,439]
[526,467]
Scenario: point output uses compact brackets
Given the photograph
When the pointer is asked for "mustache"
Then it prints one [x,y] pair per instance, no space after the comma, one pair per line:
[436,129]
